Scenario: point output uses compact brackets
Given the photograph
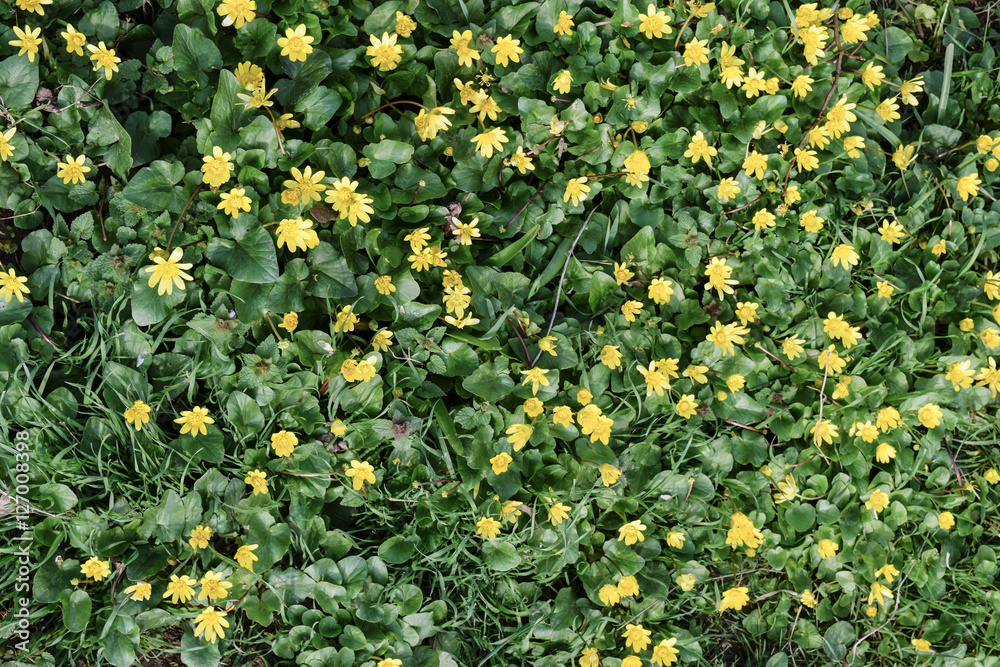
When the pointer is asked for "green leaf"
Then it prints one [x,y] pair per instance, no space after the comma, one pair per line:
[244,413]
[801,517]
[491,381]
[396,550]
[194,54]
[153,187]
[197,652]
[330,276]
[149,307]
[76,606]
[272,540]
[500,556]
[513,250]
[105,130]
[836,639]
[18,81]
[14,311]
[251,258]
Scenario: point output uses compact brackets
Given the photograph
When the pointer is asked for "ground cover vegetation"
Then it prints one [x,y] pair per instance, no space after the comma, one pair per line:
[430,333]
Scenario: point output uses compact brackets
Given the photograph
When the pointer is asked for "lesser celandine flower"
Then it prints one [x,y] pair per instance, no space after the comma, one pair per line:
[564,24]
[257,480]
[631,532]
[211,622]
[179,590]
[236,13]
[654,23]
[213,586]
[140,590]
[72,170]
[734,598]
[500,462]
[609,474]
[137,414]
[296,43]
[827,548]
[637,637]
[96,569]
[28,41]
[104,57]
[488,528]
[385,53]
[193,421]
[361,472]
[507,50]
[200,535]
[245,556]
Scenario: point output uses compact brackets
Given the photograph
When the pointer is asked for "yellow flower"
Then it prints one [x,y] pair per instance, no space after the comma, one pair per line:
[696,52]
[755,165]
[930,415]
[296,43]
[609,474]
[382,340]
[488,528]
[888,571]
[193,421]
[361,472]
[217,168]
[289,322]
[521,161]
[888,110]
[699,149]
[728,189]
[558,513]
[852,144]
[490,140]
[735,382]
[827,548]
[921,645]
[960,375]
[28,41]
[75,41]
[853,30]
[305,184]
[297,234]
[887,419]
[611,357]
[96,569]
[283,443]
[734,598]
[200,536]
[806,159]
[800,86]
[460,42]
[390,662]
[139,591]
[562,82]
[628,586]
[211,623]
[885,453]
[588,657]
[631,532]
[137,414]
[250,76]
[630,309]
[384,285]
[654,23]
[879,594]
[500,462]
[405,24]
[535,377]
[687,406]
[903,156]
[655,380]
[179,589]
[992,476]
[725,336]
[792,347]
[213,586]
[233,202]
[661,291]
[72,170]
[664,653]
[871,75]
[787,490]
[845,255]
[6,150]
[245,556]
[104,57]
[686,581]
[564,24]
[609,595]
[878,501]
[237,12]
[507,50]
[946,520]
[675,539]
[636,637]
[519,435]
[742,532]
[808,599]
[257,481]
[576,189]
[338,428]
[385,53]
[563,416]
[968,186]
